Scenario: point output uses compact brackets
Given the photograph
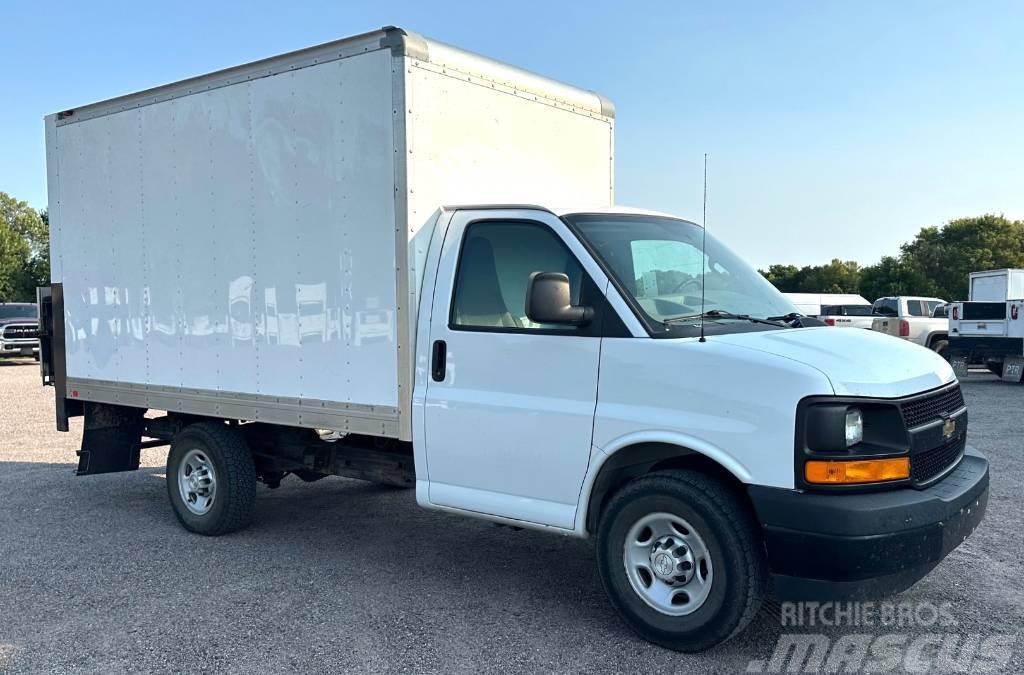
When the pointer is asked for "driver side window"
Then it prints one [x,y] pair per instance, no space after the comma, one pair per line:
[494,269]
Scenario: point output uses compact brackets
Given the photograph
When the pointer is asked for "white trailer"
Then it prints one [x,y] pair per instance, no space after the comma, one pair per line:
[265,255]
[811,303]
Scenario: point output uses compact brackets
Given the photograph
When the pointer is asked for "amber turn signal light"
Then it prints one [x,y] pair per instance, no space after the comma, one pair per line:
[857,471]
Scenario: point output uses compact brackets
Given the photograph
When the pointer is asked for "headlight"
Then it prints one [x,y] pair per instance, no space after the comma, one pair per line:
[854,426]
[834,447]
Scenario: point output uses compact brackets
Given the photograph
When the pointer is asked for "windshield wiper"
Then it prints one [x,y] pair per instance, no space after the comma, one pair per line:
[719,314]
[792,316]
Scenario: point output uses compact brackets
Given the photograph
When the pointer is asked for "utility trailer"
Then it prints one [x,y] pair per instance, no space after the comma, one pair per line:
[263,255]
[988,328]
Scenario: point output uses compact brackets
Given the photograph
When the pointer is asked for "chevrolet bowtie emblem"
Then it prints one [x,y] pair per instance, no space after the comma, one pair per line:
[948,427]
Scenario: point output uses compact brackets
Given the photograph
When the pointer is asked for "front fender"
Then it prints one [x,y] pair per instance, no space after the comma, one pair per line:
[599,457]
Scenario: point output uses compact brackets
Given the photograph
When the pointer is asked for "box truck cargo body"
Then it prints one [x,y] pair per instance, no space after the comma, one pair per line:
[251,240]
[351,261]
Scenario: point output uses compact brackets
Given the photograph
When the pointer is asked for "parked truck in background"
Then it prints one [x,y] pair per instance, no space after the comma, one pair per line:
[847,316]
[916,319]
[353,238]
[988,328]
[19,326]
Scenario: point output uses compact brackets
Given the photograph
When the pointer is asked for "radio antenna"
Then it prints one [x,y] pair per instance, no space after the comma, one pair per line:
[703,247]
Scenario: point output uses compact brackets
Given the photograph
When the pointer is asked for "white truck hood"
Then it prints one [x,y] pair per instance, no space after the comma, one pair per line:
[856,362]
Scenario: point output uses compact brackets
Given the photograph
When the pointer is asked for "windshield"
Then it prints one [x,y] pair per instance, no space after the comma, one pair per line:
[25,311]
[659,262]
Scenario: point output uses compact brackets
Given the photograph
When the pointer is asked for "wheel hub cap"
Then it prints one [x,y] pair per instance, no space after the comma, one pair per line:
[672,560]
[197,482]
[668,564]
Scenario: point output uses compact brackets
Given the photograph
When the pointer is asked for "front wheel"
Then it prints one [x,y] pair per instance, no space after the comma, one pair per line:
[681,560]
[211,479]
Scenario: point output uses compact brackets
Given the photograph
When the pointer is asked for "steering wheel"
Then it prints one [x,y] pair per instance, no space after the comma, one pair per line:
[680,286]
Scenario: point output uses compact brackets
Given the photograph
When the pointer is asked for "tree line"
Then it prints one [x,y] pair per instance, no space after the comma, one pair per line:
[935,263]
[24,250]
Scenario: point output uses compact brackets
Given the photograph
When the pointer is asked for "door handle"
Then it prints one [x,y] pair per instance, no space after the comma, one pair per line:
[438,360]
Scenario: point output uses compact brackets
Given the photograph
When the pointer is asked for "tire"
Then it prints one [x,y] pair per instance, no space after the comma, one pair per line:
[940,347]
[213,448]
[735,574]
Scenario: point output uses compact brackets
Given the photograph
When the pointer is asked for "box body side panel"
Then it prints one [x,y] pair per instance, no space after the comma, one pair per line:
[471,141]
[236,240]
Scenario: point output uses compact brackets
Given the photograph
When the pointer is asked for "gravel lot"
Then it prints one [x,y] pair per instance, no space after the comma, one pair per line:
[97,575]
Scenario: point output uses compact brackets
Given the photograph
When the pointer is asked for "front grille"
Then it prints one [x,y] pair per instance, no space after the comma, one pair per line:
[924,466]
[20,332]
[930,408]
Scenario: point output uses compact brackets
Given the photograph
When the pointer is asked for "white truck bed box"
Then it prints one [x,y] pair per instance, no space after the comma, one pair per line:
[997,285]
[247,243]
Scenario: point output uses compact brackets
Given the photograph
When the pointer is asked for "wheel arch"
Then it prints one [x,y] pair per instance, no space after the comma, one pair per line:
[935,336]
[635,457]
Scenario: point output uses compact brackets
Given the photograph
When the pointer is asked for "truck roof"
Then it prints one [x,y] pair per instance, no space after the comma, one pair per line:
[612,210]
[572,211]
[439,54]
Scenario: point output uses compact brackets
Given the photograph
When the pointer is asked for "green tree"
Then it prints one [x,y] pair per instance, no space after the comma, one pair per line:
[939,260]
[24,249]
[784,277]
[838,276]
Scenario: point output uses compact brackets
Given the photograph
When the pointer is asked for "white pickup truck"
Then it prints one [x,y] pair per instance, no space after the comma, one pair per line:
[917,319]
[848,316]
[264,255]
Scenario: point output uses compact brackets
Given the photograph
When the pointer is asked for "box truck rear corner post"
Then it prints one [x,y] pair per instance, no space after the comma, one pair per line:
[346,261]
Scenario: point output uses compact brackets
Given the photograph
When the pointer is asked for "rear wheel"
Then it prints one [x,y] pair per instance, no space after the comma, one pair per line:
[211,479]
[681,559]
[941,347]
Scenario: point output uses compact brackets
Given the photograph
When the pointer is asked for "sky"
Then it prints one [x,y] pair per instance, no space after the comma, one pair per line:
[834,129]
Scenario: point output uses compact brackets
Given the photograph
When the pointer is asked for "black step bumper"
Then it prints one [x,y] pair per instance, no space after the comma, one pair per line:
[867,545]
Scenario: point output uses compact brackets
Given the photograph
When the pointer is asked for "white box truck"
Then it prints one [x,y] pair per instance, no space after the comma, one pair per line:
[988,328]
[344,261]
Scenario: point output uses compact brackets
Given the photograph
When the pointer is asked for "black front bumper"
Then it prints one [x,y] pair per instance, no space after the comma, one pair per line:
[867,545]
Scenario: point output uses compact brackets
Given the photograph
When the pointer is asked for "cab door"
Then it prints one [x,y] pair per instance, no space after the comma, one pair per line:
[509,406]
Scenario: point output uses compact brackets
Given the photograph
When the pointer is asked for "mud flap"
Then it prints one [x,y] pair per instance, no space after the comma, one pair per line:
[960,363]
[1013,368]
[111,439]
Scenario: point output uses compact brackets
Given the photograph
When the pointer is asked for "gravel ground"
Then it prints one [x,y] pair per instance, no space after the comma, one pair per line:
[97,575]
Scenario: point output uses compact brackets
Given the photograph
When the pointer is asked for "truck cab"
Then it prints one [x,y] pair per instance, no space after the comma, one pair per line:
[18,328]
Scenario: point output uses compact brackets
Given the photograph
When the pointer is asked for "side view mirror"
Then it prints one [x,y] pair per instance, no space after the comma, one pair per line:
[548,300]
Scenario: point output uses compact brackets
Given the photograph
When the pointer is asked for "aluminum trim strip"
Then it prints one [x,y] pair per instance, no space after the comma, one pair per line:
[308,413]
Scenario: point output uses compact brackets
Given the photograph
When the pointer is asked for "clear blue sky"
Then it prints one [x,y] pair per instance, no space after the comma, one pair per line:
[836,129]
